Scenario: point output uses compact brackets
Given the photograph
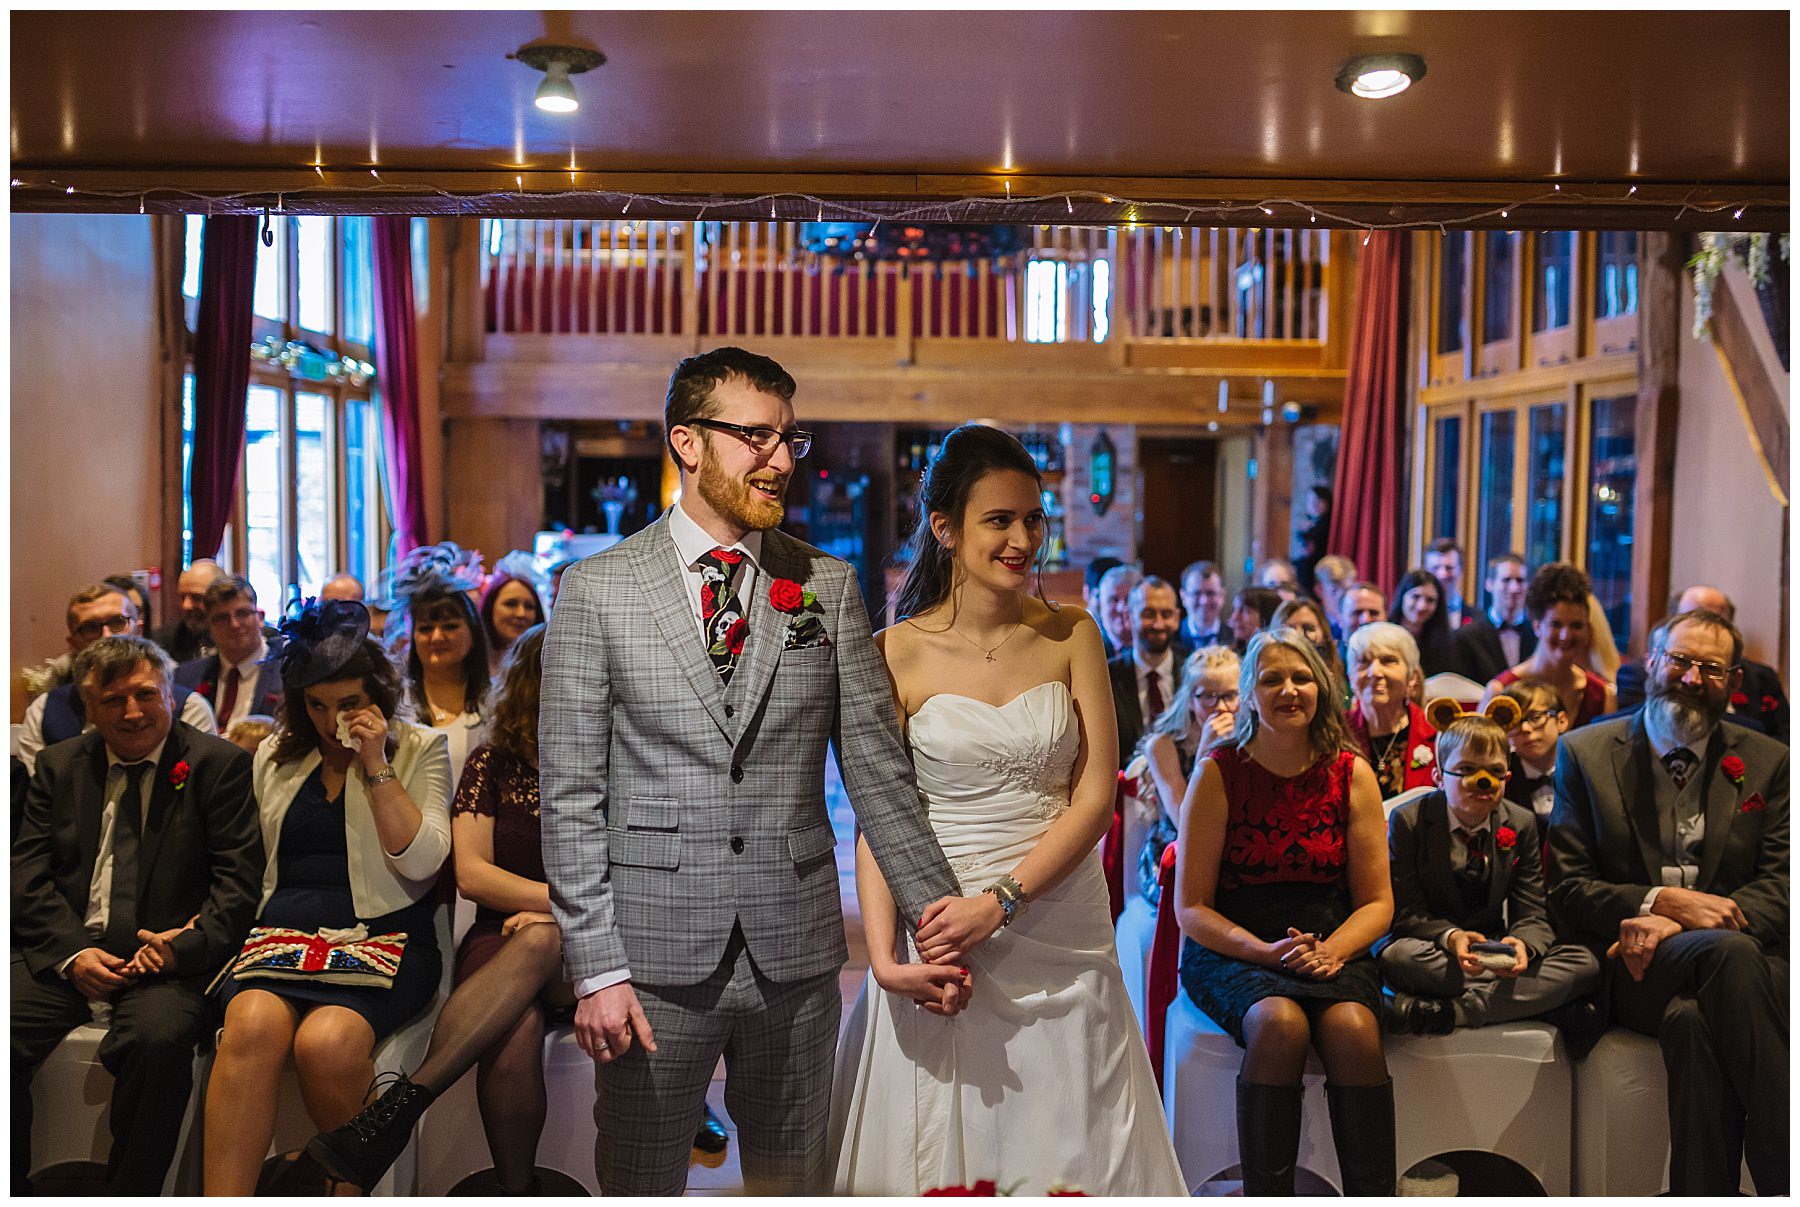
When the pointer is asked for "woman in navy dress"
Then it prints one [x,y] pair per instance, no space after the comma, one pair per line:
[355,811]
[1282,886]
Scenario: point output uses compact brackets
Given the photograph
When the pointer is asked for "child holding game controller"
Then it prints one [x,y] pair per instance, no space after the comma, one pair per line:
[1471,942]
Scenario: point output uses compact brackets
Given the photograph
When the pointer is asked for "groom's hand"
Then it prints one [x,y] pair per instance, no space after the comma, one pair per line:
[952,927]
[606,1020]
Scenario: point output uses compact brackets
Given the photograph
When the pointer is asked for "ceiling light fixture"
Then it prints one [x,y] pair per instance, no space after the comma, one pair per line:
[557,93]
[1376,77]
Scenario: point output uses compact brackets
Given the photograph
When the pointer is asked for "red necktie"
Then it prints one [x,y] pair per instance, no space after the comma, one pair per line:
[228,698]
[1153,698]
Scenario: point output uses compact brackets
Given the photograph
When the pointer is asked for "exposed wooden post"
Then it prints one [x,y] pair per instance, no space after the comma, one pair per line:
[1272,498]
[1662,276]
[467,306]
[502,455]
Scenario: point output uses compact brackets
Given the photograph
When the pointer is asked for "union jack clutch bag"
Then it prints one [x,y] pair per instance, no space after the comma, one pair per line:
[336,957]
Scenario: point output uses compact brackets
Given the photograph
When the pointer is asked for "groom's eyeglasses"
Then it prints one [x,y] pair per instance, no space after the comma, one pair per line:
[762,439]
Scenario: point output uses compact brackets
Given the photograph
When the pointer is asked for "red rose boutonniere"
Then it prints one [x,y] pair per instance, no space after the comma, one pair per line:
[1505,837]
[1770,704]
[1756,804]
[805,615]
[205,689]
[1733,767]
[788,596]
[178,775]
[1740,700]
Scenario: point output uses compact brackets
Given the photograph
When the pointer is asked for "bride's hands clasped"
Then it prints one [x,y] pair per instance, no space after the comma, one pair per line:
[941,989]
[952,927]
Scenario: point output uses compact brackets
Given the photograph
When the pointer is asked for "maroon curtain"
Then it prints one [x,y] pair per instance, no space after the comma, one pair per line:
[397,366]
[221,374]
[1370,490]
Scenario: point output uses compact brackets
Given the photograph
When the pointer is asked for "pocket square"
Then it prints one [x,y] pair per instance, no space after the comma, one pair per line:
[806,633]
[1753,804]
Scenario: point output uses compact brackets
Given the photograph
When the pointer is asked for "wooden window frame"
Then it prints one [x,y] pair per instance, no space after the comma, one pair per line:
[1557,345]
[1502,355]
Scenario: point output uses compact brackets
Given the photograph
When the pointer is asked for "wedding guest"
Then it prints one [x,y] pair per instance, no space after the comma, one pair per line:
[1419,609]
[1090,582]
[1444,562]
[1308,616]
[1331,578]
[61,713]
[1542,723]
[186,637]
[1115,615]
[1502,636]
[1143,677]
[556,575]
[133,590]
[1279,576]
[509,606]
[1252,608]
[1309,542]
[342,585]
[249,733]
[509,982]
[1362,603]
[1203,601]
[99,917]
[55,672]
[1201,718]
[1557,602]
[1669,853]
[1759,701]
[1282,878]
[355,812]
[1386,722]
[236,677]
[446,653]
[1468,868]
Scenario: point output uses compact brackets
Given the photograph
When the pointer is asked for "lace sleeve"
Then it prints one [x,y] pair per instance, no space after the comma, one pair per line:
[477,791]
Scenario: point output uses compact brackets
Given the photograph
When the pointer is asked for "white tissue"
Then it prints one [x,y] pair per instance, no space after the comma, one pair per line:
[343,733]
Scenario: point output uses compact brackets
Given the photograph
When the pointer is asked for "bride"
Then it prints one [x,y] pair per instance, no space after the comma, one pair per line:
[1014,1058]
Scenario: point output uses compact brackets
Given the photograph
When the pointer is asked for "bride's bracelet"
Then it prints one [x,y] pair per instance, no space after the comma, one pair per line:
[1012,898]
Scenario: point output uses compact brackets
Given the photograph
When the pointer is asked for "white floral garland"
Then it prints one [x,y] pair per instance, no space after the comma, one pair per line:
[1707,263]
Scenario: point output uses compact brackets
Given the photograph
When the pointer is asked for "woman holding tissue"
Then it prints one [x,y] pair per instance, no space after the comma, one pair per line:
[355,813]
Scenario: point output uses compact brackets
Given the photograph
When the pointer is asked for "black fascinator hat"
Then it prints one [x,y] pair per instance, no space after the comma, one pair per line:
[320,639]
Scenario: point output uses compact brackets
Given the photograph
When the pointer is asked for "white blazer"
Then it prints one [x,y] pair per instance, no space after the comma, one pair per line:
[380,883]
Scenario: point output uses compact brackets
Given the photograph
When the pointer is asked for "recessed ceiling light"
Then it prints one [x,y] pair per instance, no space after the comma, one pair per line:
[1378,76]
[557,93]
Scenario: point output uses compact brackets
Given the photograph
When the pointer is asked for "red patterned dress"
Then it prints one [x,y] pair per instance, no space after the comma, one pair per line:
[1284,864]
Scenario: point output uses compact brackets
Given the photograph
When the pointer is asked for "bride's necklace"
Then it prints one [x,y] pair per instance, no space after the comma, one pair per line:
[986,652]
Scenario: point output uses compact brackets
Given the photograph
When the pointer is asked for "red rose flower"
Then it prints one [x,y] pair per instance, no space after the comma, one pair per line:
[706,598]
[178,774]
[1756,804]
[205,689]
[1740,700]
[1770,704]
[1733,767]
[786,595]
[948,1192]
[985,1187]
[1505,837]
[734,636]
[730,557]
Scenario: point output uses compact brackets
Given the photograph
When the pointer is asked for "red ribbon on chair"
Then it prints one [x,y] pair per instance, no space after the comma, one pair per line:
[1163,980]
[1112,852]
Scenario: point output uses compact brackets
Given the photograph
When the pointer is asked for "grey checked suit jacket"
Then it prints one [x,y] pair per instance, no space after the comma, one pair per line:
[673,807]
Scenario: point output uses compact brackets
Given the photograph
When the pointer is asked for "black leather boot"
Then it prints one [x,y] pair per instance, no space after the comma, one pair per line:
[1268,1123]
[1362,1130]
[362,1150]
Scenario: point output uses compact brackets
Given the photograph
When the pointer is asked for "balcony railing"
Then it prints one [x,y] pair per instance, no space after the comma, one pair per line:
[743,279]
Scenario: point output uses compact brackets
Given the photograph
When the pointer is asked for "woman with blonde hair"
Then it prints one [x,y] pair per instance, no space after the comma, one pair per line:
[1201,717]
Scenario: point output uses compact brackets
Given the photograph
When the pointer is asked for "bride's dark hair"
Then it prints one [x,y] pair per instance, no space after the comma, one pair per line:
[968,454]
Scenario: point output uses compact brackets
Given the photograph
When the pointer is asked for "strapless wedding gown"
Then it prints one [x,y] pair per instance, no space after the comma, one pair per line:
[1044,1079]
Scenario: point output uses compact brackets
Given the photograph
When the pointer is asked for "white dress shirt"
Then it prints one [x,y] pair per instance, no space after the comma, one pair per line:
[692,542]
[194,710]
[99,910]
[1509,637]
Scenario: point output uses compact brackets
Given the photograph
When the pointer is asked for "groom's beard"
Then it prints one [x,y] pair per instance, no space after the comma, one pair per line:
[1689,721]
[733,499]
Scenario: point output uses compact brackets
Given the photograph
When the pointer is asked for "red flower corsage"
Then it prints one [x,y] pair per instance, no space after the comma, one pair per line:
[178,775]
[786,595]
[1740,700]
[1755,804]
[1733,767]
[205,689]
[1505,837]
[1770,704]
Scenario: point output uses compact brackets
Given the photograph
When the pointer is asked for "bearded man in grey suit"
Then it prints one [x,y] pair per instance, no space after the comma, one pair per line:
[1669,853]
[693,675]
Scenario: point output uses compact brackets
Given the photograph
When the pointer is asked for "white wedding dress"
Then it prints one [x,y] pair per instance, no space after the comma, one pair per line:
[1044,1079]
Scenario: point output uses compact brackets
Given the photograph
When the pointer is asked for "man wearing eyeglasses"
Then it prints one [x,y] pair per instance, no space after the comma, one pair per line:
[59,714]
[1759,701]
[694,674]
[1669,854]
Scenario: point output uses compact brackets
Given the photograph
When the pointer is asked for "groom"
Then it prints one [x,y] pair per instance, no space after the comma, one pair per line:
[693,675]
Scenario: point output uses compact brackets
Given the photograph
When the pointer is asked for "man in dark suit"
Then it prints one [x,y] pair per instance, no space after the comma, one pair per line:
[135,876]
[1203,599]
[1502,636]
[1468,868]
[1759,700]
[186,637]
[1669,853]
[1145,676]
[235,678]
